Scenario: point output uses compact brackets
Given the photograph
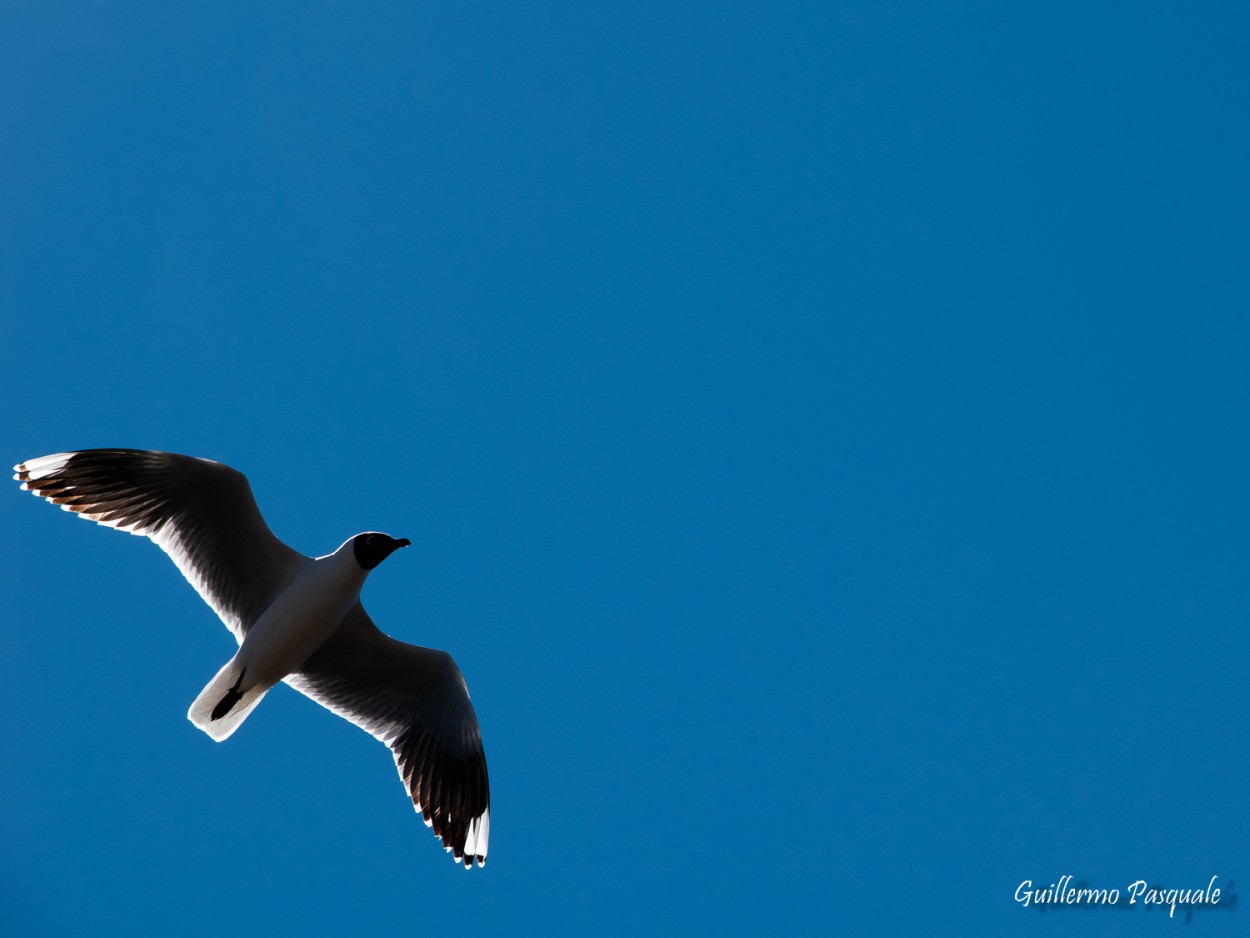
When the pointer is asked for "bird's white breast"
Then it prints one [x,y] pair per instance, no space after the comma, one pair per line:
[302,617]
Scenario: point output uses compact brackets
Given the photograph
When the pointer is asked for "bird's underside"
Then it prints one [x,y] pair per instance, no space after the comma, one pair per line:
[203,515]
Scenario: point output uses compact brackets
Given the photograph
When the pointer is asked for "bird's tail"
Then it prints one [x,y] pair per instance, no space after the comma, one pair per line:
[226,701]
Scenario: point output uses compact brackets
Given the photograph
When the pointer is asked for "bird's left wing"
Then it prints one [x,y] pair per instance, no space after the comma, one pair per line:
[415,701]
[200,512]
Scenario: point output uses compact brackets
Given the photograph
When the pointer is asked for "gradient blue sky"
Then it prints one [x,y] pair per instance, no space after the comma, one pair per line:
[822,428]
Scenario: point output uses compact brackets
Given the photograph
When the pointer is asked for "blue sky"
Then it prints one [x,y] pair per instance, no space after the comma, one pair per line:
[821,427]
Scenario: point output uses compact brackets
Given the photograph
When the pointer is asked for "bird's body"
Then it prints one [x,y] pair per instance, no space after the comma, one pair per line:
[296,619]
[295,624]
[303,616]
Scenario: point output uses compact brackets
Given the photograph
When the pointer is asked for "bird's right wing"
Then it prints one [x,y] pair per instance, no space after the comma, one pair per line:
[415,701]
[200,512]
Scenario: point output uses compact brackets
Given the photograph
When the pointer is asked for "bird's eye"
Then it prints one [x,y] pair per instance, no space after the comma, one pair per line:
[372,538]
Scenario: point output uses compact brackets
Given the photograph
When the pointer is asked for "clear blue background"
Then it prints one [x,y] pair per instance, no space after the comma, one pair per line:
[822,427]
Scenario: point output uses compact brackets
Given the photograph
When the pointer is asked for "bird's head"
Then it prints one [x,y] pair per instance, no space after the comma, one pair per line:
[372,547]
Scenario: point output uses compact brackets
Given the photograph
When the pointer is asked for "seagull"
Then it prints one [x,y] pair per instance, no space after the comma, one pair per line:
[297,619]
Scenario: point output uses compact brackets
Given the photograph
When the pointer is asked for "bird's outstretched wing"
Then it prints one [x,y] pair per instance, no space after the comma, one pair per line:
[414,700]
[200,512]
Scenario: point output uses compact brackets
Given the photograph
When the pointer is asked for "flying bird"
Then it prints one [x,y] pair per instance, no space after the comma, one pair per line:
[297,619]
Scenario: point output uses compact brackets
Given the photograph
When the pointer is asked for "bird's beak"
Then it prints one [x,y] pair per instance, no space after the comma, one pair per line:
[403,542]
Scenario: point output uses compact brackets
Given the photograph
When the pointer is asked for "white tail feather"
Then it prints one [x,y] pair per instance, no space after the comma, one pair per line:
[201,712]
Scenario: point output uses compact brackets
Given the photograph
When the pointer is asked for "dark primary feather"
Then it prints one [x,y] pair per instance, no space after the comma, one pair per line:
[414,700]
[200,512]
